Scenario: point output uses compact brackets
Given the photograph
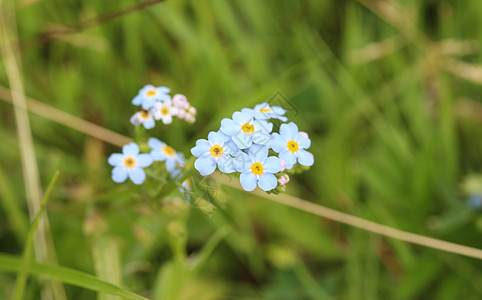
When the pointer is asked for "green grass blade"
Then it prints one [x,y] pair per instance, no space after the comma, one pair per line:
[10,263]
[27,253]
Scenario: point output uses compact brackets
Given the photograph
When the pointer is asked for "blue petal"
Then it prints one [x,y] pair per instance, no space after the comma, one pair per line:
[258,153]
[242,162]
[249,181]
[163,98]
[278,110]
[217,137]
[145,88]
[289,158]
[158,155]
[130,149]
[243,117]
[305,158]
[137,175]
[243,140]
[248,111]
[202,147]
[170,164]
[225,164]
[149,123]
[144,160]
[119,174]
[148,103]
[163,90]
[278,143]
[115,159]
[155,143]
[303,142]
[267,182]
[289,130]
[229,127]
[205,165]
[231,148]
[262,138]
[137,100]
[263,125]
[272,165]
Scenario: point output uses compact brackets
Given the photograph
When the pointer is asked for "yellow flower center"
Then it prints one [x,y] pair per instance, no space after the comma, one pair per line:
[129,162]
[151,93]
[145,114]
[217,151]
[165,111]
[265,110]
[293,146]
[248,128]
[168,150]
[257,168]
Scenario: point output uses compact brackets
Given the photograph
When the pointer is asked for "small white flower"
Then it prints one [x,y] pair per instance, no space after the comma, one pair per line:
[143,117]
[164,111]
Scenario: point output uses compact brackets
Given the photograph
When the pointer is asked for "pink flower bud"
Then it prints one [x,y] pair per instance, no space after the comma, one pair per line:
[283,165]
[304,134]
[181,113]
[180,101]
[284,180]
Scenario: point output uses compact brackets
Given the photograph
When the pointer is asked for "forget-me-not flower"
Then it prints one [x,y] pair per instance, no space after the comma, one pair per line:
[264,111]
[143,117]
[245,130]
[162,152]
[164,111]
[149,94]
[291,145]
[257,169]
[215,151]
[129,163]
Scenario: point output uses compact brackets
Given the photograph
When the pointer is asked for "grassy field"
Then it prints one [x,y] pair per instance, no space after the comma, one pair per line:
[389,91]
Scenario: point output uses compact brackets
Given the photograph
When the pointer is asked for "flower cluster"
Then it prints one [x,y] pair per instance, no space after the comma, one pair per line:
[131,163]
[156,104]
[243,145]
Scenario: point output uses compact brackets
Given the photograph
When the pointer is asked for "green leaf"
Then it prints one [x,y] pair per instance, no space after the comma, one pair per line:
[10,263]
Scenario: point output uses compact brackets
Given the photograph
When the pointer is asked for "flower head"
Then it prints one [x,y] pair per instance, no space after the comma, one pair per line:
[129,163]
[143,117]
[180,101]
[162,152]
[284,179]
[245,130]
[164,111]
[264,111]
[149,94]
[291,145]
[257,169]
[217,150]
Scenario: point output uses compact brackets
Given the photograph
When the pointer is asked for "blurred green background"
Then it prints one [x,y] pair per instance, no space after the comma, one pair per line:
[389,91]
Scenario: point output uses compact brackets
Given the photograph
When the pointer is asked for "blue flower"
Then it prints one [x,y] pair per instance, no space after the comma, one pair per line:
[215,151]
[129,164]
[162,152]
[264,111]
[291,145]
[245,130]
[149,94]
[143,117]
[257,169]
